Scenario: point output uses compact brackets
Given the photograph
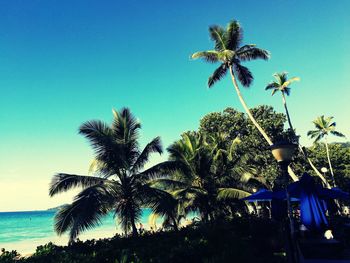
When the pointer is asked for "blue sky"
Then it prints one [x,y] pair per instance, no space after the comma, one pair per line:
[65,62]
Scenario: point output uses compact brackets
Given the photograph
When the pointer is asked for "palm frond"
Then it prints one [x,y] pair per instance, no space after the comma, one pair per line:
[316,135]
[291,80]
[244,75]
[252,53]
[312,133]
[336,133]
[161,202]
[188,191]
[273,92]
[234,35]
[155,146]
[287,91]
[159,170]
[217,34]
[168,184]
[86,212]
[231,194]
[281,77]
[272,85]
[250,178]
[99,167]
[218,74]
[211,56]
[99,135]
[63,182]
[125,126]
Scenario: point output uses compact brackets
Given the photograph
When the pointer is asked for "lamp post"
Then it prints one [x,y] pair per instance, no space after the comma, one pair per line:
[283,152]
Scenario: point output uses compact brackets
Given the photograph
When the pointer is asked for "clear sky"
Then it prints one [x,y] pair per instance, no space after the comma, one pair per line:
[64,62]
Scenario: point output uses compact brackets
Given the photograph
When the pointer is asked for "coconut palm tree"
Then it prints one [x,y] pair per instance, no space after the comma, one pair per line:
[120,184]
[229,52]
[324,127]
[282,84]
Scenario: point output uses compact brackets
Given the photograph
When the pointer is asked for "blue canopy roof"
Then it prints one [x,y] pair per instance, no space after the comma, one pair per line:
[311,196]
[267,195]
[261,195]
[295,189]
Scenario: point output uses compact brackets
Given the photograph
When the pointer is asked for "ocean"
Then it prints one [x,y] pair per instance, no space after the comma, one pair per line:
[24,231]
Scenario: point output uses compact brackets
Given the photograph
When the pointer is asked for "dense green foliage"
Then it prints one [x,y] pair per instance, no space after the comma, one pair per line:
[208,177]
[8,256]
[236,125]
[241,240]
[208,172]
[340,156]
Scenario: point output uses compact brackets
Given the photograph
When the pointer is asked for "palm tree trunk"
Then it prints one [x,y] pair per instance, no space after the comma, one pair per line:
[251,117]
[134,228]
[318,173]
[328,157]
[300,147]
[287,112]
[176,228]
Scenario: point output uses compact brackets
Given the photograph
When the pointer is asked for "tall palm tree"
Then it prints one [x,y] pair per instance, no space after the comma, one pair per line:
[230,53]
[282,84]
[324,127]
[120,184]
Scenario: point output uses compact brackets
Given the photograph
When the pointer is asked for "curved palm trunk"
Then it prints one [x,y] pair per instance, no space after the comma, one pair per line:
[300,147]
[329,158]
[251,117]
[318,173]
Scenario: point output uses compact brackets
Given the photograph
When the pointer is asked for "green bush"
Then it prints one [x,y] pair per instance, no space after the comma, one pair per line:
[240,240]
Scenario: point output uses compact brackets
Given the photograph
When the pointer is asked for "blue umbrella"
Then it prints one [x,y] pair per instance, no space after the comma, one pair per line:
[312,209]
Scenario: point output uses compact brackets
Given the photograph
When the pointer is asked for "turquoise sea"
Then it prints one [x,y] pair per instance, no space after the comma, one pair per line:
[23,231]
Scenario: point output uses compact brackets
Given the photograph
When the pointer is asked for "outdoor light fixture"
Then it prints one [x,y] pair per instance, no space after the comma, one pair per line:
[324,170]
[283,151]
[328,234]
